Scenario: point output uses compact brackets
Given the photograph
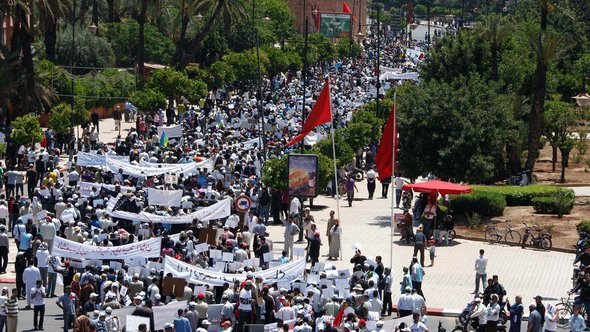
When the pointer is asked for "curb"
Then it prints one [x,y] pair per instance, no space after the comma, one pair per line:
[470,238]
[7,281]
[439,312]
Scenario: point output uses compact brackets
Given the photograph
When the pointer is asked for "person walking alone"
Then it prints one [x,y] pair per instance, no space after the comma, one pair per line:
[38,302]
[290,231]
[481,264]
[335,234]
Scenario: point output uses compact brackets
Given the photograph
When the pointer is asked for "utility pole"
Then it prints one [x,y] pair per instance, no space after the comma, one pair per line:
[304,73]
[378,69]
[258,81]
[72,137]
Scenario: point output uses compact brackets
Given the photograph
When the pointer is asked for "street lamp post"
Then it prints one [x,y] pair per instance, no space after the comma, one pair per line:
[72,139]
[378,67]
[259,81]
[583,98]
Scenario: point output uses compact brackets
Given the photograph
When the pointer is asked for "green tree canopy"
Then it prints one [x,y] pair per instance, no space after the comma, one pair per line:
[90,49]
[124,40]
[148,100]
[26,130]
[455,132]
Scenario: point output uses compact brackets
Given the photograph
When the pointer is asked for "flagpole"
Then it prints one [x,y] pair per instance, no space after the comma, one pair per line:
[333,132]
[393,194]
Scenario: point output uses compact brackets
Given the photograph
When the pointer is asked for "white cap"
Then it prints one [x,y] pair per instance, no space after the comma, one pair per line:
[168,326]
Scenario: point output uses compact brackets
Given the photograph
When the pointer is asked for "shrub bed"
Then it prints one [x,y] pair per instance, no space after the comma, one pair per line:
[520,196]
[560,203]
[488,204]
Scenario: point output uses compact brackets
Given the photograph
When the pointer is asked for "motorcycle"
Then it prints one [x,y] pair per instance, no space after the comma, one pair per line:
[466,313]
[358,174]
[473,325]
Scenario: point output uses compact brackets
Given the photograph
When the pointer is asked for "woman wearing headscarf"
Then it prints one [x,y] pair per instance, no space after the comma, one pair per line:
[551,318]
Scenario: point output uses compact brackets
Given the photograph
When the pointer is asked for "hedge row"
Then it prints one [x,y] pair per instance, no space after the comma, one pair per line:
[483,203]
[520,196]
[560,203]
[491,200]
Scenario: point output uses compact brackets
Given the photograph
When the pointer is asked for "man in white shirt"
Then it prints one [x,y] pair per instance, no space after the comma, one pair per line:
[30,277]
[38,302]
[398,182]
[417,325]
[295,207]
[480,313]
[47,231]
[3,298]
[481,264]
[245,305]
[4,211]
[405,303]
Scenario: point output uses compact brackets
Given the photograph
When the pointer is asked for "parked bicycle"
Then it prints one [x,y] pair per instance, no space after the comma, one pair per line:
[541,240]
[565,309]
[492,234]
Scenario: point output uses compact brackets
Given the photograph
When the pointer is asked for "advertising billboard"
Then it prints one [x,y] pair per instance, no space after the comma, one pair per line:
[303,175]
[335,25]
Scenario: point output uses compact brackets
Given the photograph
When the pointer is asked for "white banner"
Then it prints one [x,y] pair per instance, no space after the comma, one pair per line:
[151,169]
[166,313]
[249,144]
[193,274]
[86,188]
[164,197]
[171,131]
[218,210]
[88,159]
[39,216]
[312,138]
[66,248]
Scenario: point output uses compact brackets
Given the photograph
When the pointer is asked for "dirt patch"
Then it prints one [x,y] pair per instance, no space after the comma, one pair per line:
[575,173]
[563,229]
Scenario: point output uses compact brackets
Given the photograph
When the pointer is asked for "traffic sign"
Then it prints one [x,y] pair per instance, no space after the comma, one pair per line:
[243,203]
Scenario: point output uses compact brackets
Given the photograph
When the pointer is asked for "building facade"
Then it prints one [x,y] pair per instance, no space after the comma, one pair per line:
[312,9]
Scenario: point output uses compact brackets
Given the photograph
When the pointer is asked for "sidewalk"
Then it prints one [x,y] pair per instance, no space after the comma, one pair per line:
[448,284]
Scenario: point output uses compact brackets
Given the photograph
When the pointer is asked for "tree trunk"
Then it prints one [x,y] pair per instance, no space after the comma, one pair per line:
[141,43]
[82,15]
[564,158]
[553,156]
[494,60]
[178,57]
[50,37]
[536,119]
[513,159]
[26,39]
[111,6]
[197,41]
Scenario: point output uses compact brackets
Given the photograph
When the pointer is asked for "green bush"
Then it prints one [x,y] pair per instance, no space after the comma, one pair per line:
[583,226]
[483,203]
[519,196]
[560,203]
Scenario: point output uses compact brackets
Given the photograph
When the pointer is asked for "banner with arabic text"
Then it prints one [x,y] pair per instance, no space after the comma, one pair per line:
[66,248]
[283,273]
[218,210]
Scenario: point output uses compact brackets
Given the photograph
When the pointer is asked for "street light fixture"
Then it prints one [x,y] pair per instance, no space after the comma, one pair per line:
[582,99]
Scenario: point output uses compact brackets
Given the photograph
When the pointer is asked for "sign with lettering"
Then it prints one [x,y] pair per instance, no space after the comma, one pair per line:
[66,248]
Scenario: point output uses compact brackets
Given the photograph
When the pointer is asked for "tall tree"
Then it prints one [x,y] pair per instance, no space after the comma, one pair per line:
[495,30]
[141,42]
[227,10]
[547,47]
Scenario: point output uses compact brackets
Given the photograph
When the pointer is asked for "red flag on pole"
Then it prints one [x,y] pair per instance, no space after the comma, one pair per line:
[384,157]
[346,9]
[320,114]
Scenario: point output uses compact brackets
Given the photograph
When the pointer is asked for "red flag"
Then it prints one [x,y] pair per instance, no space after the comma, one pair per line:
[346,9]
[320,114]
[383,159]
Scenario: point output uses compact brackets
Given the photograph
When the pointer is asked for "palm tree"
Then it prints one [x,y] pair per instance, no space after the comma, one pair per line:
[547,47]
[141,42]
[495,30]
[30,93]
[49,13]
[228,10]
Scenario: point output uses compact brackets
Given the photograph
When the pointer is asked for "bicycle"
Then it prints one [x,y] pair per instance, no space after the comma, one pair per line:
[542,240]
[492,234]
[565,309]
